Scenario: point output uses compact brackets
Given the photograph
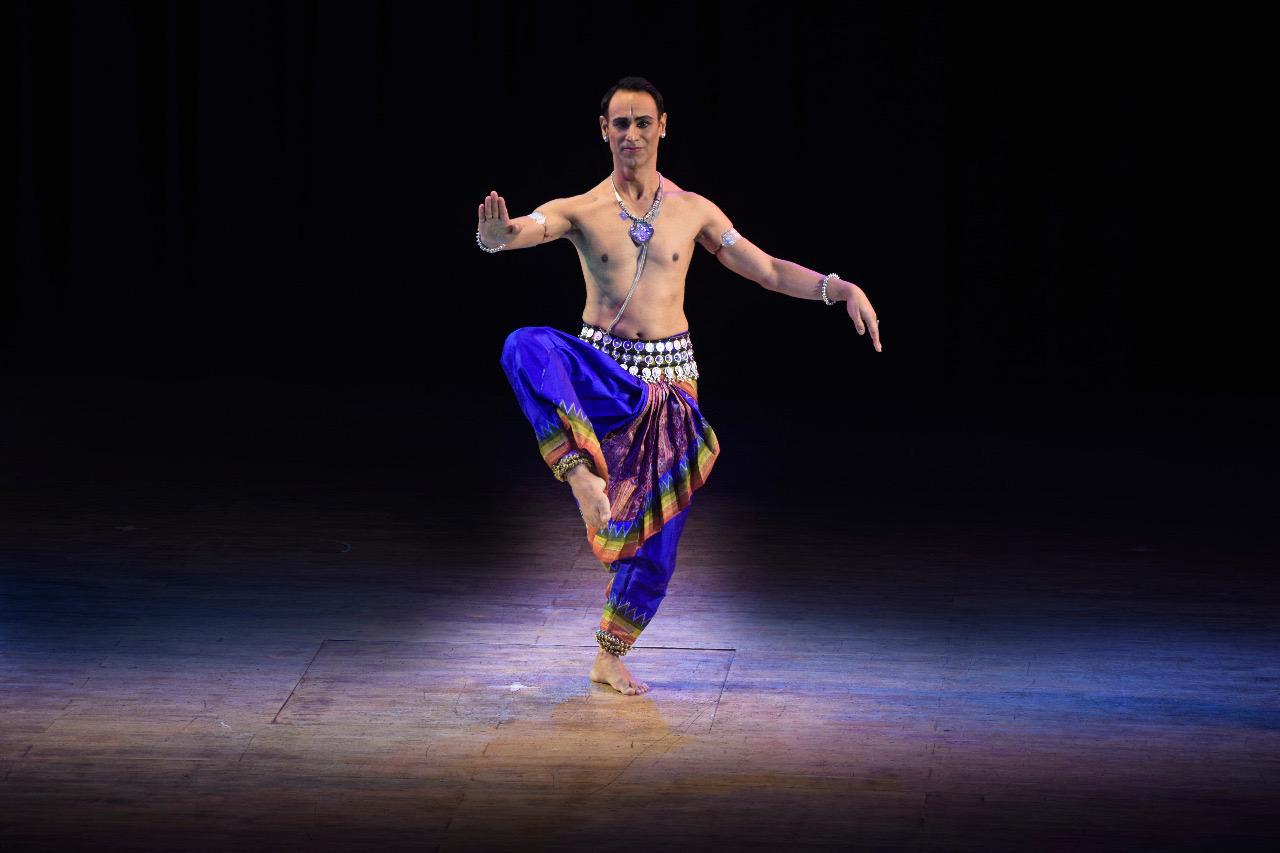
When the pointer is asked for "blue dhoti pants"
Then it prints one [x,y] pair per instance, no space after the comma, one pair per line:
[631,408]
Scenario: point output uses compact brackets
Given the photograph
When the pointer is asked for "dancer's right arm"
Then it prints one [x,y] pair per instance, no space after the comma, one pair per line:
[498,229]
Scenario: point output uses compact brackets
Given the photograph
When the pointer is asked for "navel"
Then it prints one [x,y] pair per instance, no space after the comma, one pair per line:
[675,256]
[604,258]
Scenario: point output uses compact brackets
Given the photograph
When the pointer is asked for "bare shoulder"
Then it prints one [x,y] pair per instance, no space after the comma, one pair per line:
[693,201]
[711,220]
[695,206]
[569,205]
[562,217]
[599,195]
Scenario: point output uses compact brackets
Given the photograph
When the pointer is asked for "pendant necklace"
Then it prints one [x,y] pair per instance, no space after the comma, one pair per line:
[641,226]
[641,231]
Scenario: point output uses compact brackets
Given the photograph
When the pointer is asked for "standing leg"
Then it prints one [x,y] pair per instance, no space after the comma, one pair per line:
[650,448]
[636,588]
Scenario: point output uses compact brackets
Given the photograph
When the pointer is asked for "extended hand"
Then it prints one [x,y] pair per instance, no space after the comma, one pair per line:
[863,315]
[495,225]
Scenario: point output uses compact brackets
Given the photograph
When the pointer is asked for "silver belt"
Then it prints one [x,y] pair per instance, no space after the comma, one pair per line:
[666,360]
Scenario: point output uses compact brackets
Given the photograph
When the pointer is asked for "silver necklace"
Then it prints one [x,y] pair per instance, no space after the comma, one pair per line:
[641,230]
[641,226]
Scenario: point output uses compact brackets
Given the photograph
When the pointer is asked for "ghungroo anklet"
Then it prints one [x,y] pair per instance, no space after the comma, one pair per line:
[611,644]
[570,460]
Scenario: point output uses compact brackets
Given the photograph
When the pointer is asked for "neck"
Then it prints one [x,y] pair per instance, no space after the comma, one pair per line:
[635,183]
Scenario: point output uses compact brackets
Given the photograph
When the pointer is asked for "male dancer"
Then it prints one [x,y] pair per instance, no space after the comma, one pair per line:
[615,408]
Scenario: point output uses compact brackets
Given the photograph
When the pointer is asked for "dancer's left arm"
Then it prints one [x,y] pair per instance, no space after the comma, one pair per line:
[751,262]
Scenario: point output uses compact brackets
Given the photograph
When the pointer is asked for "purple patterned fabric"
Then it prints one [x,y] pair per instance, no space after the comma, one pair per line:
[648,440]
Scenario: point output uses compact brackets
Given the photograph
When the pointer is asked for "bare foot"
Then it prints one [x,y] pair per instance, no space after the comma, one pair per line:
[608,669]
[588,490]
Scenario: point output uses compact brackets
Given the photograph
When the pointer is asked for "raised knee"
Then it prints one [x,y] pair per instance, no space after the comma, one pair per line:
[524,339]
[514,343]
[513,340]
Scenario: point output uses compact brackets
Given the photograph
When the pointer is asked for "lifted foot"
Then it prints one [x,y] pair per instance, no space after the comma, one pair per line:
[589,492]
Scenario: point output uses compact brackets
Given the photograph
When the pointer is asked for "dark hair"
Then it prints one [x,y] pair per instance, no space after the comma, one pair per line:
[632,84]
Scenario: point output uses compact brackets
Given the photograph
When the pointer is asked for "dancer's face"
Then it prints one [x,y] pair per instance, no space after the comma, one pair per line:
[633,127]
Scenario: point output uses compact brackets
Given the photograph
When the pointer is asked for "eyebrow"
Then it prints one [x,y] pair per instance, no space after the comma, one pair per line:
[624,118]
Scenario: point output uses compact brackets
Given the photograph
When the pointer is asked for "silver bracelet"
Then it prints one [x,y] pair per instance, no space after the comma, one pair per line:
[825,279]
[485,248]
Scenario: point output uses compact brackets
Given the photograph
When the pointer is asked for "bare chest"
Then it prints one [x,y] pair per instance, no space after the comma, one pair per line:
[604,242]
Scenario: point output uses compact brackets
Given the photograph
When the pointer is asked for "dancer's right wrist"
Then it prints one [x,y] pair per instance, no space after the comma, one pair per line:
[502,239]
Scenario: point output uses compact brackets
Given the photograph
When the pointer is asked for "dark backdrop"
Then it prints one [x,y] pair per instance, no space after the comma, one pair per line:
[287,192]
[290,187]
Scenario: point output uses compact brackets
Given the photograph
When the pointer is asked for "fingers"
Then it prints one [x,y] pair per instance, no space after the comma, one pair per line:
[494,208]
[861,324]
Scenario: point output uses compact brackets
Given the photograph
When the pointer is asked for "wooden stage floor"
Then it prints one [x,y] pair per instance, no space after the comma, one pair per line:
[286,661]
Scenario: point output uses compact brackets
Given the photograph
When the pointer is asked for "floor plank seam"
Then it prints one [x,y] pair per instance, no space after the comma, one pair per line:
[305,670]
[720,695]
[533,645]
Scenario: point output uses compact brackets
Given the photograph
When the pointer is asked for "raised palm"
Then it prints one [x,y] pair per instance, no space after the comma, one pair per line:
[495,225]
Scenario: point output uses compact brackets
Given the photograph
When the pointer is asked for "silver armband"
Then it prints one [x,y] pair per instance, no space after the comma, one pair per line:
[729,237]
[538,218]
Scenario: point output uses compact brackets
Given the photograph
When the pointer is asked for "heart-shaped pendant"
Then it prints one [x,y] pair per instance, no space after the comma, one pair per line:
[641,231]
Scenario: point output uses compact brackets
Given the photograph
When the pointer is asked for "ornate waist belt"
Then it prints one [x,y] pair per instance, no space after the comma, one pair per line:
[666,360]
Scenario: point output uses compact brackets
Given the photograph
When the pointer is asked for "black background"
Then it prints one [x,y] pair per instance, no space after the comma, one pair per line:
[290,188]
[241,199]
